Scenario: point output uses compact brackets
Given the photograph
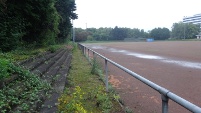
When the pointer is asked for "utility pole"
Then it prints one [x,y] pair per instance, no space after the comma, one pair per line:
[73,32]
[184,30]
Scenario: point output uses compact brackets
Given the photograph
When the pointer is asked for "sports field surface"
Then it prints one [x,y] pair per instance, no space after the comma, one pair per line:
[174,65]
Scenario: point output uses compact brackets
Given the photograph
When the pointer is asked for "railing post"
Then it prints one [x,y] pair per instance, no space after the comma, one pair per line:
[164,103]
[84,50]
[106,75]
[93,55]
[88,55]
[82,47]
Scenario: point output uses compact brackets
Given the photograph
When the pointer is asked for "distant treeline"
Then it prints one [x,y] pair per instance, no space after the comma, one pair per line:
[179,31]
[35,22]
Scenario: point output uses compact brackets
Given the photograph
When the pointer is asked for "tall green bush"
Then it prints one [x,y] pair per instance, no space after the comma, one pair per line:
[38,22]
[12,28]
[66,10]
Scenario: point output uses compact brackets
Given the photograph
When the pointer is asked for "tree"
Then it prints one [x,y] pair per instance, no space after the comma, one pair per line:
[134,33]
[42,21]
[118,33]
[178,30]
[191,30]
[115,33]
[12,27]
[89,37]
[66,10]
[29,21]
[81,35]
[34,22]
[102,34]
[184,30]
[160,33]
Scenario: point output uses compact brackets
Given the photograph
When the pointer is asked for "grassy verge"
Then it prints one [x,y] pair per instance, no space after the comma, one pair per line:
[85,93]
[94,41]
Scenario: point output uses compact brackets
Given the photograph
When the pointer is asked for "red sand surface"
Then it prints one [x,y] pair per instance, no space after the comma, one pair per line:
[181,80]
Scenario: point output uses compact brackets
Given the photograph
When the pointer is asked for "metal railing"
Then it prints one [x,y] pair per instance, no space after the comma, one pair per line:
[165,93]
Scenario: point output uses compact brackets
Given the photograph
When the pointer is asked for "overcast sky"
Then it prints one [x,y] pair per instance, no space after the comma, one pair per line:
[142,14]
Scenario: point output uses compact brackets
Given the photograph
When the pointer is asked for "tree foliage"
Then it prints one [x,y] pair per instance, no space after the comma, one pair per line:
[184,30]
[160,33]
[65,9]
[105,34]
[191,31]
[12,27]
[137,33]
[98,34]
[81,35]
[119,33]
[37,22]
[178,30]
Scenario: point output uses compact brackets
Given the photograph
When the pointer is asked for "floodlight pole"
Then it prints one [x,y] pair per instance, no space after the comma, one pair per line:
[184,31]
[73,32]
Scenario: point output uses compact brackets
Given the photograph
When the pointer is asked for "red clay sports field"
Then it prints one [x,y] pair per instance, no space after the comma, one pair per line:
[174,65]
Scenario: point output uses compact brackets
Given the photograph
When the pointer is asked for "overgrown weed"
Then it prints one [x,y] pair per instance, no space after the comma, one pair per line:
[95,98]
[97,70]
[54,48]
[19,94]
[20,90]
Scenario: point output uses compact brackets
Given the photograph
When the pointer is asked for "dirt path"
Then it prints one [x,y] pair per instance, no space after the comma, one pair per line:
[173,65]
[53,68]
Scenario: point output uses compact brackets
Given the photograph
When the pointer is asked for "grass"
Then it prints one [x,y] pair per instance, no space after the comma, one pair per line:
[109,41]
[85,93]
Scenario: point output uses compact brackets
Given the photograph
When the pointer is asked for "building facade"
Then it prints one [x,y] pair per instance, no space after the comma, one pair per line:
[195,19]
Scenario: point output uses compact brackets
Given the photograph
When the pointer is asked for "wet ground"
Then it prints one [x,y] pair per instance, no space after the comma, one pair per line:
[172,65]
[151,57]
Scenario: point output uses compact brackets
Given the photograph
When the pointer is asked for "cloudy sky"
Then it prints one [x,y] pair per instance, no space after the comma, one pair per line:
[142,14]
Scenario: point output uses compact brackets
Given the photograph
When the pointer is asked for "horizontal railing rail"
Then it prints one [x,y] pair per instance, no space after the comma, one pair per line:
[165,93]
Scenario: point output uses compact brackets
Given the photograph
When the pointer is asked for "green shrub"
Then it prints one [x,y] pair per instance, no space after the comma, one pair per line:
[54,48]
[5,67]
[21,93]
[95,66]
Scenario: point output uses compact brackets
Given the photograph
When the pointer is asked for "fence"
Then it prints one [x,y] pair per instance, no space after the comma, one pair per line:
[165,93]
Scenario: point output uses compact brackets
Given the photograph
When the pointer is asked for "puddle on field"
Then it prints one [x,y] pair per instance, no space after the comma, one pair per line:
[145,56]
[117,51]
[97,47]
[184,63]
[187,64]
